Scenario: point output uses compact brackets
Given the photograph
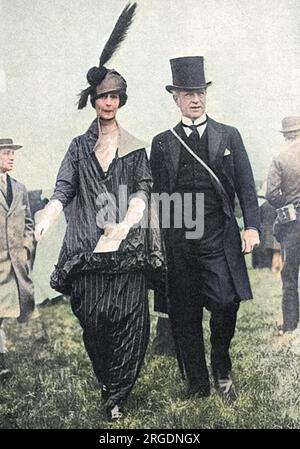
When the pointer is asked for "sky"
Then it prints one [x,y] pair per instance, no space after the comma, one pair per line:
[251,52]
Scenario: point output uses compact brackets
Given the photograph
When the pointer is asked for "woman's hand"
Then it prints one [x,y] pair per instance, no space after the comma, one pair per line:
[117,231]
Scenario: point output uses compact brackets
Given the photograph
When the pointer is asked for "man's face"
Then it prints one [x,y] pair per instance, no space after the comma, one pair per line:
[7,158]
[107,106]
[192,103]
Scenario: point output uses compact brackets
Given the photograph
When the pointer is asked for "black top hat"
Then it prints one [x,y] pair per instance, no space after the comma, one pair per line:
[188,73]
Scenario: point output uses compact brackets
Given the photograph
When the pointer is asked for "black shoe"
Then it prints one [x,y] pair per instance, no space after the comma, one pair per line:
[5,372]
[114,413]
[104,393]
[196,391]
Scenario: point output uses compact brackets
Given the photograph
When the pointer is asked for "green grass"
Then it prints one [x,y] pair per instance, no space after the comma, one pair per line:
[53,385]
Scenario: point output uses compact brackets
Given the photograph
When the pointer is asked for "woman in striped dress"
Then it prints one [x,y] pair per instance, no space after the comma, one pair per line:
[105,176]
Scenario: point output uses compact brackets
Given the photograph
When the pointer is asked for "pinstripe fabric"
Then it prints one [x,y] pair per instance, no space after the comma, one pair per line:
[112,308]
[81,180]
[113,313]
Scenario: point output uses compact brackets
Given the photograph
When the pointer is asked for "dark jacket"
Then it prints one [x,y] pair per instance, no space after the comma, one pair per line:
[229,160]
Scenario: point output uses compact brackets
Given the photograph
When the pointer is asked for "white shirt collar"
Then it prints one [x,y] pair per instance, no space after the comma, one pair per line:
[187,121]
[4,176]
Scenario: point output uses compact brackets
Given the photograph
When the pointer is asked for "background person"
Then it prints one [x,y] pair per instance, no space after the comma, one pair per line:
[16,246]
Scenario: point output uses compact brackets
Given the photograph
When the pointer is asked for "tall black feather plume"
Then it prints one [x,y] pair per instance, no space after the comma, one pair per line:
[119,33]
[96,74]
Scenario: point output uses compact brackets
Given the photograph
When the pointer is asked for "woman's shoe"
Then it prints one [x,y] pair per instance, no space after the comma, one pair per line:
[114,414]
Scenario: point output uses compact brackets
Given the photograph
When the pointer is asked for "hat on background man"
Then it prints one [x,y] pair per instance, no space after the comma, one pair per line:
[290,124]
[9,145]
[188,73]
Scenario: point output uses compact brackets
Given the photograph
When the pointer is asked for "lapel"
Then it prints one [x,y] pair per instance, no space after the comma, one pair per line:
[127,142]
[3,201]
[173,149]
[215,140]
[17,194]
[92,136]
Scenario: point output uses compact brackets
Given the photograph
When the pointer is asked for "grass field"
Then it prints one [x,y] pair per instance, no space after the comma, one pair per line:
[53,385]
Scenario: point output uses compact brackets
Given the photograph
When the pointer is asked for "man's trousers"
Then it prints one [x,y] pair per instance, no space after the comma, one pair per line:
[289,274]
[201,279]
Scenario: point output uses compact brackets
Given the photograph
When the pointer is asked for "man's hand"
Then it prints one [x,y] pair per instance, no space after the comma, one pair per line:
[250,239]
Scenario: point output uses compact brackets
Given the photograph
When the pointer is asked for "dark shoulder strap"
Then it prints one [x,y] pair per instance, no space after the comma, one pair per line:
[198,159]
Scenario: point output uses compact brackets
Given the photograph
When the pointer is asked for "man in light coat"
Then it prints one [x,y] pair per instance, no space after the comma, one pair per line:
[16,245]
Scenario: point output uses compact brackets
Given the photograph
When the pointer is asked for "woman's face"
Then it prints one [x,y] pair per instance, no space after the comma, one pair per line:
[107,106]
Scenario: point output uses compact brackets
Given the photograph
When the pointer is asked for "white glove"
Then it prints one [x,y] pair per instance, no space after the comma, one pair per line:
[117,231]
[135,211]
[133,216]
[48,216]
[40,229]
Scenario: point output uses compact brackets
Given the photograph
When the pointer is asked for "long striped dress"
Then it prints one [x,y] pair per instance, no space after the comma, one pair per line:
[108,291]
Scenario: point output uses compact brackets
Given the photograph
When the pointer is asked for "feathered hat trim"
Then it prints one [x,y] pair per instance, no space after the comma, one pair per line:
[96,75]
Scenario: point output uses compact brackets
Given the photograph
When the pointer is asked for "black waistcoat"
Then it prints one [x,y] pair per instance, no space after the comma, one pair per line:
[193,178]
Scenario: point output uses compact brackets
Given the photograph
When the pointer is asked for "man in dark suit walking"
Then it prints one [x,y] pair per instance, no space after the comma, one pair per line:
[206,266]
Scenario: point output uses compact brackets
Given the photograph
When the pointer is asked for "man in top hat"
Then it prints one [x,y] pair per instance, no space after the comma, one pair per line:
[101,263]
[16,246]
[209,270]
[283,192]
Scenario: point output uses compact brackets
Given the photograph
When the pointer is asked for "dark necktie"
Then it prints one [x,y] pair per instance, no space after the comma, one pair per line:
[194,138]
